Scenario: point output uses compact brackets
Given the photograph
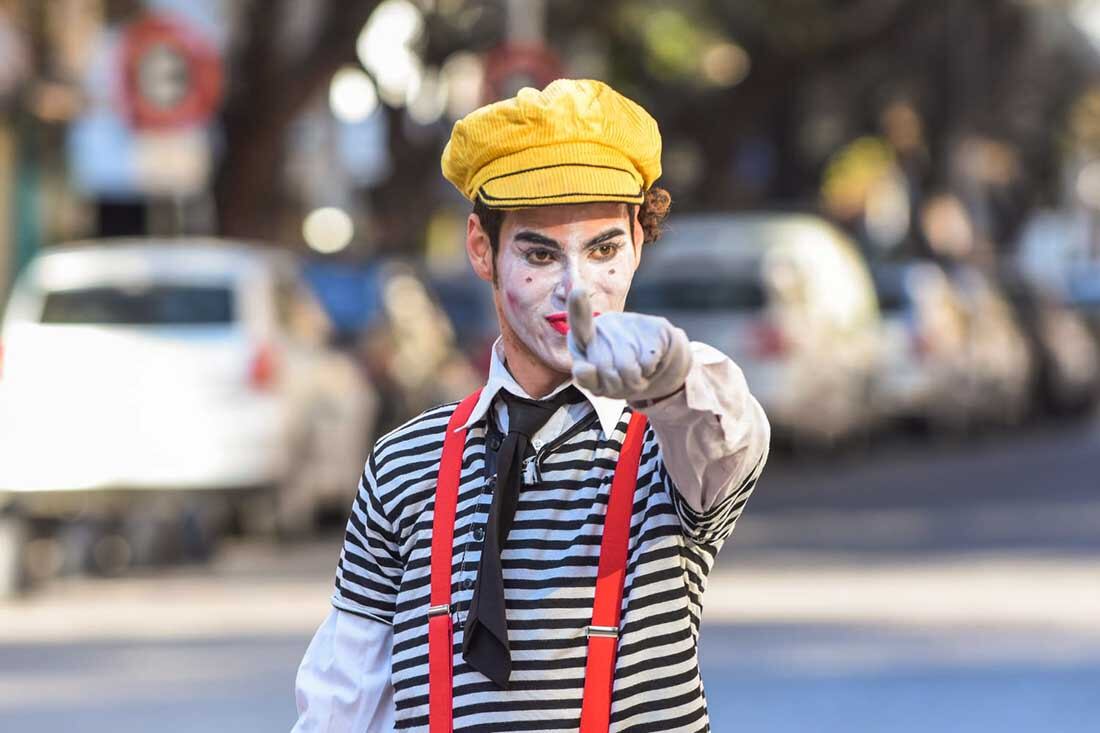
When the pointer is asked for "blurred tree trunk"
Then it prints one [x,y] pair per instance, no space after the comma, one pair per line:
[268,90]
[402,205]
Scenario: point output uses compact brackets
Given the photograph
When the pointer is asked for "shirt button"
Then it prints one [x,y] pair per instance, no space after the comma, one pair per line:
[479,533]
[537,443]
[490,484]
[494,443]
[468,584]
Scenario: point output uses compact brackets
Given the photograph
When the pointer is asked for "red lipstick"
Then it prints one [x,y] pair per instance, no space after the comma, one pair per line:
[560,321]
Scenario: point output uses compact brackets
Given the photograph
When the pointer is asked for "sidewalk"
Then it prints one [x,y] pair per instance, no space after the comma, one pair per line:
[254,591]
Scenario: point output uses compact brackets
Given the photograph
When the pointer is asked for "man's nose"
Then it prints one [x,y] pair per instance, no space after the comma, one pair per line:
[571,277]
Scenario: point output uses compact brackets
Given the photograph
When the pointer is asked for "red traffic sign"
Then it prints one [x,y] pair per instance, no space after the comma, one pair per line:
[171,76]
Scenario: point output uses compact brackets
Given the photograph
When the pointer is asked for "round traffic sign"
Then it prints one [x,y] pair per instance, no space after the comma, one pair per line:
[170,75]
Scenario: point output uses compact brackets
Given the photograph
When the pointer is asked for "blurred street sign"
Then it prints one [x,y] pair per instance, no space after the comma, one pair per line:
[512,66]
[171,76]
[152,88]
[107,158]
[172,162]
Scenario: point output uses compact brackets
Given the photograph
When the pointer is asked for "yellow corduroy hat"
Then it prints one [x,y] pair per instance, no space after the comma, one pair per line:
[576,141]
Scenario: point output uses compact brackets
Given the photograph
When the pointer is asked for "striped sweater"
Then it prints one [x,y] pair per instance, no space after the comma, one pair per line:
[550,562]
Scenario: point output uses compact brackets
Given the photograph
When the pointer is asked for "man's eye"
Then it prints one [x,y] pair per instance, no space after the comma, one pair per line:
[605,251]
[540,256]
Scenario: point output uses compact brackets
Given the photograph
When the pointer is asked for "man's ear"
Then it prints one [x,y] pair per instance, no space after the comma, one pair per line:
[479,249]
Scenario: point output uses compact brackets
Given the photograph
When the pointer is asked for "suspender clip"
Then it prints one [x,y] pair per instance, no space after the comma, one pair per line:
[443,610]
[609,632]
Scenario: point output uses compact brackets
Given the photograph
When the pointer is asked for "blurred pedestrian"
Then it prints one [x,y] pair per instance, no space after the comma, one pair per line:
[534,557]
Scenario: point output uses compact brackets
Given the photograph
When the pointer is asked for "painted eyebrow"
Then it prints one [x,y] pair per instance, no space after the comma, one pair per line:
[605,236]
[526,235]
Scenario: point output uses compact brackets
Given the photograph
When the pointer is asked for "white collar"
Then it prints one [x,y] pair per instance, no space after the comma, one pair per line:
[608,410]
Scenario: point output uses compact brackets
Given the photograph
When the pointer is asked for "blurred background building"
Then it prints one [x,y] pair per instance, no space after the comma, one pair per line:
[224,235]
[321,123]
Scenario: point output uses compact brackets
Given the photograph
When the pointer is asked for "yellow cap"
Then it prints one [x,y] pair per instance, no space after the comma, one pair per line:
[576,141]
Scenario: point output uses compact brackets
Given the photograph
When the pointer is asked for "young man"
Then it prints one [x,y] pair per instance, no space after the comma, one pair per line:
[534,558]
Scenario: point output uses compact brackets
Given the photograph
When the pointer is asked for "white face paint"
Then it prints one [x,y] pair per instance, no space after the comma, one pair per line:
[544,253]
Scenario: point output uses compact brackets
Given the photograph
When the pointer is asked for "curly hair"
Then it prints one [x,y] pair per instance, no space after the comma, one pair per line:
[651,214]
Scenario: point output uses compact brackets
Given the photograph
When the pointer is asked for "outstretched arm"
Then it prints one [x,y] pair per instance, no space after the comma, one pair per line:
[713,433]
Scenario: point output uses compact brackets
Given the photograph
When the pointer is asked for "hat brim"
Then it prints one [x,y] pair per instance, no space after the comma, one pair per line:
[571,173]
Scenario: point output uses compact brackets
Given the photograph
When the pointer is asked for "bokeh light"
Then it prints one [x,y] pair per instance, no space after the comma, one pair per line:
[385,48]
[725,64]
[352,95]
[328,229]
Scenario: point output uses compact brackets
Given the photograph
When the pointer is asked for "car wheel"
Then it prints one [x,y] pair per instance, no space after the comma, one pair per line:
[190,535]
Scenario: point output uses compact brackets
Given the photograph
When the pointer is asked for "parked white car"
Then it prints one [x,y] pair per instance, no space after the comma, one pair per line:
[1001,362]
[925,373]
[788,297]
[185,366]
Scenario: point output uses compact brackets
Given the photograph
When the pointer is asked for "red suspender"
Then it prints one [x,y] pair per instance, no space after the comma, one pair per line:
[440,622]
[604,631]
[603,634]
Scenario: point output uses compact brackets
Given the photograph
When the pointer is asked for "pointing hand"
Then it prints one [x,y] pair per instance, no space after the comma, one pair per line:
[627,356]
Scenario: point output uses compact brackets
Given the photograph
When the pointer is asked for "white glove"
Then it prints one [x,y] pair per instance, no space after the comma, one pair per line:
[627,356]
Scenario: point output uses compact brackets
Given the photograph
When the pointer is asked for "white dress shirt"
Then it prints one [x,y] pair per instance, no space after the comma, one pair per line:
[712,434]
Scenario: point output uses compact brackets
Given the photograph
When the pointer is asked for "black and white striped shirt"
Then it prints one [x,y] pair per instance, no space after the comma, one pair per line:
[551,557]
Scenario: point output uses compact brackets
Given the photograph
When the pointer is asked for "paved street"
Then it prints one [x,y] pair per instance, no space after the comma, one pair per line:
[922,588]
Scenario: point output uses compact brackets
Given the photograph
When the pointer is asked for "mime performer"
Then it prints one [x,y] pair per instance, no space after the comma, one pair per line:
[533,558]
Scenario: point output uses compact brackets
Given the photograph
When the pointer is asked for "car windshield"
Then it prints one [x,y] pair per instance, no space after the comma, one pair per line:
[696,295]
[146,306]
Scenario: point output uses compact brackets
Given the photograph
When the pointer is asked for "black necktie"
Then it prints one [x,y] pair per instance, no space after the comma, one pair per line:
[485,640]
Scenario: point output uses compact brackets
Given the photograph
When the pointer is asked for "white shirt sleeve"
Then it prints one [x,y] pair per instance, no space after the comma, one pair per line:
[343,683]
[713,434]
